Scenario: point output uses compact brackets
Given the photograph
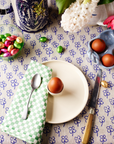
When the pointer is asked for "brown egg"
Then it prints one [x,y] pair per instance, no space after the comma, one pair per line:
[108,60]
[98,45]
[55,85]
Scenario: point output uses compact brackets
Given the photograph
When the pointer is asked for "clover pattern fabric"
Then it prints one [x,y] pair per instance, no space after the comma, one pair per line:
[30,129]
[75,52]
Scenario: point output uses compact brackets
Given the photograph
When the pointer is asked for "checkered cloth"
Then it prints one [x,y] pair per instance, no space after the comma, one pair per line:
[31,129]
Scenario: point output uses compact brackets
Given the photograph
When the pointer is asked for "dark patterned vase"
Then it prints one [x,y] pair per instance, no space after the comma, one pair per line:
[27,18]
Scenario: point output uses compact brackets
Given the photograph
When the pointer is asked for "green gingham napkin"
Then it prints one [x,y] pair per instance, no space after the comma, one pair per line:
[31,129]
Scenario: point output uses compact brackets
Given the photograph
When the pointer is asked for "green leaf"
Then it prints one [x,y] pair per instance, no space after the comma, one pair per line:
[105,2]
[63,4]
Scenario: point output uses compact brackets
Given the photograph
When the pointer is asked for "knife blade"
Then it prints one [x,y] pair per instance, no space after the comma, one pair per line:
[92,106]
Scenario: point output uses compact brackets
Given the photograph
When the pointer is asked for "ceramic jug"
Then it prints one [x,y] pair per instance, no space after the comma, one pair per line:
[26,16]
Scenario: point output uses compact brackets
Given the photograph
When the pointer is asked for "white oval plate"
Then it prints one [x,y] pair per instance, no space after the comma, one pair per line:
[71,102]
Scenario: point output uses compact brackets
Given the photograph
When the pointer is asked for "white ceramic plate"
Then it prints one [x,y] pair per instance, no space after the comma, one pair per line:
[71,102]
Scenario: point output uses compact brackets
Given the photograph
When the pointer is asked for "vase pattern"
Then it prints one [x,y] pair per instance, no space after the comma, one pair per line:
[27,18]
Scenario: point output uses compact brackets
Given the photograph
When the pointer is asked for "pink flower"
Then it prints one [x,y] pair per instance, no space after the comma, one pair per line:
[109,22]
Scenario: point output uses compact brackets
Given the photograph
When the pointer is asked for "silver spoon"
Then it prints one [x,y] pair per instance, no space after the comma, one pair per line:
[35,83]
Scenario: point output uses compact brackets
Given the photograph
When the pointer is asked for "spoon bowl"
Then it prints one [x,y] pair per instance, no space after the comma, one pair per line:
[35,83]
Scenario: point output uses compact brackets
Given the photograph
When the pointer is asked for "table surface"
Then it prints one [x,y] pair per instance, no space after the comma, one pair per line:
[75,45]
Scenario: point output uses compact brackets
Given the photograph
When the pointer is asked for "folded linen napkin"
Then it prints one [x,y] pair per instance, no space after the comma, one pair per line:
[31,129]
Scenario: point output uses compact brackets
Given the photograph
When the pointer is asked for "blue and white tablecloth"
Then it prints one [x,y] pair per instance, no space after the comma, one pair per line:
[75,45]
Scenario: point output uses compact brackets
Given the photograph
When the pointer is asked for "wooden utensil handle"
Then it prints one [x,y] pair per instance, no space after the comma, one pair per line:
[87,131]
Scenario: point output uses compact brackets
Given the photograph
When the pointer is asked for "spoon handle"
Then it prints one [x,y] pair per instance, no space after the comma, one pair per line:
[25,112]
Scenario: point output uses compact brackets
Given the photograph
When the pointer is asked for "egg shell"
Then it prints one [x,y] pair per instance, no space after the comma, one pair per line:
[98,45]
[4,50]
[7,34]
[14,51]
[9,38]
[2,45]
[43,39]
[3,40]
[108,60]
[14,37]
[2,36]
[59,49]
[7,54]
[10,48]
[17,45]
[104,84]
[19,40]
[1,55]
[8,43]
[55,85]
